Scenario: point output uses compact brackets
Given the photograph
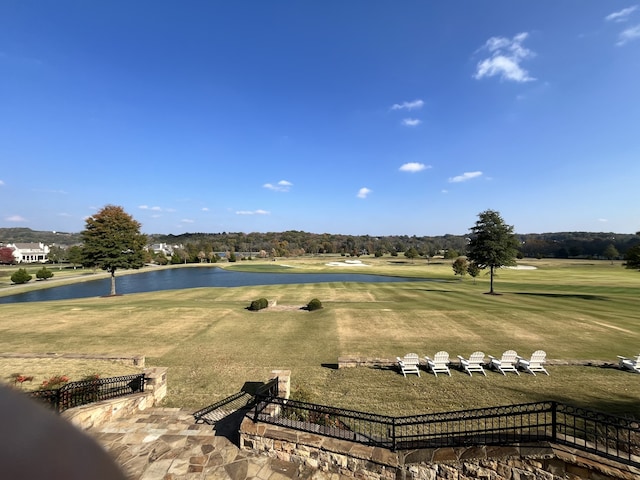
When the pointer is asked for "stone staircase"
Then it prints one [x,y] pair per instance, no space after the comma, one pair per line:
[166,444]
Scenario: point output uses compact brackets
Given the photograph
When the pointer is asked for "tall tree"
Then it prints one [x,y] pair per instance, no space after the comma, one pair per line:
[611,252]
[632,257]
[112,240]
[74,255]
[460,266]
[473,271]
[492,243]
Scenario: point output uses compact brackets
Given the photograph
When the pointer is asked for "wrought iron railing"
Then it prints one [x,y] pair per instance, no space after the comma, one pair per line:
[599,433]
[235,402]
[74,394]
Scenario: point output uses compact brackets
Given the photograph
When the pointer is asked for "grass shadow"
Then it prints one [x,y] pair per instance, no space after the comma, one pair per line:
[581,296]
[252,387]
[389,368]
[434,290]
[330,366]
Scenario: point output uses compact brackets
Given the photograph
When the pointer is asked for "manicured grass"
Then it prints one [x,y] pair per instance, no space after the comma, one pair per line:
[213,345]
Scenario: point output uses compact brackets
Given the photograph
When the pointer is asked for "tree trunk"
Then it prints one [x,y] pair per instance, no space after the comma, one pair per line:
[113,282]
[491,288]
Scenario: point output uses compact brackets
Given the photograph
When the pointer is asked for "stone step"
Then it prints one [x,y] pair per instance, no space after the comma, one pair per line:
[153,423]
[163,440]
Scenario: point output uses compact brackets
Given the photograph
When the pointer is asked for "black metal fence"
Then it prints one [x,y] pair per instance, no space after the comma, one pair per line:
[595,432]
[237,401]
[74,394]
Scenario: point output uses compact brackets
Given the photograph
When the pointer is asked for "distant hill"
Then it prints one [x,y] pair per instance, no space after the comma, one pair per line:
[26,235]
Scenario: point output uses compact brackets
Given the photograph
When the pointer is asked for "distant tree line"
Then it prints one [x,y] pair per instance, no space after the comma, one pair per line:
[204,247]
[293,243]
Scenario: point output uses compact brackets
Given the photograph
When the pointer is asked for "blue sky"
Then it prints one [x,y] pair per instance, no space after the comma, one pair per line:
[352,117]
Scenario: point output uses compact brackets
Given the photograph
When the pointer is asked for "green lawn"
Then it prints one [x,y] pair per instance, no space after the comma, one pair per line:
[212,345]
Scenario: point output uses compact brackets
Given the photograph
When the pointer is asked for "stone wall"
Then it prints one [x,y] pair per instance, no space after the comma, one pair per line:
[536,461]
[94,414]
[520,462]
[133,360]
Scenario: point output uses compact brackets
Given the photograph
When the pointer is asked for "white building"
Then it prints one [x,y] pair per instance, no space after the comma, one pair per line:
[167,250]
[30,252]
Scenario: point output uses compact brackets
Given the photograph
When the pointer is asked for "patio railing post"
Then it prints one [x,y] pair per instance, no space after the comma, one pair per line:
[394,445]
[554,421]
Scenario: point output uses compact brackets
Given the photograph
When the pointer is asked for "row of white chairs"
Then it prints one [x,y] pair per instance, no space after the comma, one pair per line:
[509,362]
[632,364]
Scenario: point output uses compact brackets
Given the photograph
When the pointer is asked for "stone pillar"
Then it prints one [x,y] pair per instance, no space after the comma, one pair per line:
[156,383]
[284,382]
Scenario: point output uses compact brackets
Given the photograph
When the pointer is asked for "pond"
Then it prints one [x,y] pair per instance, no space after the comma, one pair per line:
[179,278]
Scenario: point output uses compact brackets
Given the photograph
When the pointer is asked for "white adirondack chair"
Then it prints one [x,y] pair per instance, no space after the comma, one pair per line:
[505,364]
[534,364]
[409,364]
[632,364]
[439,364]
[473,364]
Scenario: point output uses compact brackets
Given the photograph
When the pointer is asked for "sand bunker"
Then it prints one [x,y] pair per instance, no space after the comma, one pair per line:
[347,263]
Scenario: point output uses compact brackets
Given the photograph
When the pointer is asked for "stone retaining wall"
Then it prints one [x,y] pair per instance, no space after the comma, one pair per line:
[520,462]
[533,461]
[94,414]
[133,360]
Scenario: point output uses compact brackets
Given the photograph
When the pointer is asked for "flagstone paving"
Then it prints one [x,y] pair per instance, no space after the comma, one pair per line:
[166,444]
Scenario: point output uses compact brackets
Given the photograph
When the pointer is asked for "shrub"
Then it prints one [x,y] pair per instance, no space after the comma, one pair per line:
[55,382]
[21,276]
[44,273]
[19,379]
[314,304]
[259,304]
[300,394]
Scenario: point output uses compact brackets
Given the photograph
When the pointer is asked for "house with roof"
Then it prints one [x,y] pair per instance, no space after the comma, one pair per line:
[30,252]
[163,248]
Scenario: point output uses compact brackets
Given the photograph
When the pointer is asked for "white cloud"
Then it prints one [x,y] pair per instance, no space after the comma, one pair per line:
[147,207]
[505,59]
[252,212]
[363,192]
[603,220]
[281,186]
[15,219]
[413,167]
[621,15]
[628,35]
[205,209]
[464,177]
[414,105]
[187,220]
[411,122]
[1,183]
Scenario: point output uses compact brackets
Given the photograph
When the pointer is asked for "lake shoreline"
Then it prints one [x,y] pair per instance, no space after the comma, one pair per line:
[158,279]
